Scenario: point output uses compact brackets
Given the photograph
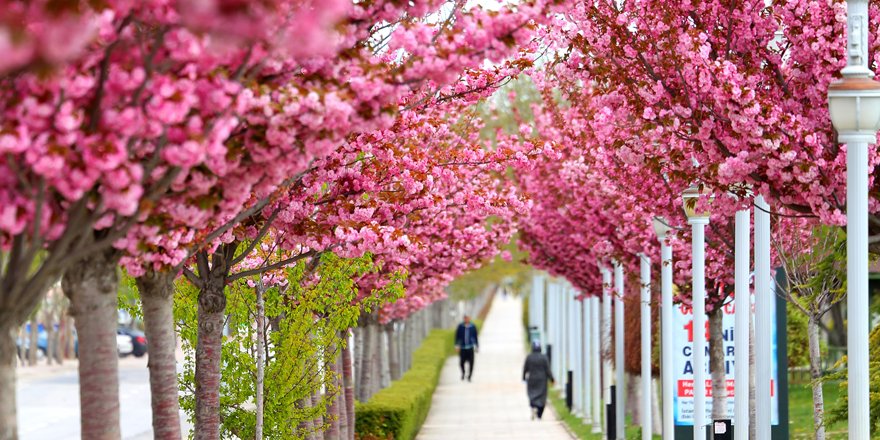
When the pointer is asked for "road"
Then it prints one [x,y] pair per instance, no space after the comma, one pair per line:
[48,401]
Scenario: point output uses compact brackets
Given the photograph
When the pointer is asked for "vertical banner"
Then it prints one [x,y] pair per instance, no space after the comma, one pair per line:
[683,368]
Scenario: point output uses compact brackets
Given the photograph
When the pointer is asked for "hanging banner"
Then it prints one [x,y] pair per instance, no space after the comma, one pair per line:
[683,367]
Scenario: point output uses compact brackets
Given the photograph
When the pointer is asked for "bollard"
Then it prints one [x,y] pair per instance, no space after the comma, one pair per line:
[610,419]
[569,389]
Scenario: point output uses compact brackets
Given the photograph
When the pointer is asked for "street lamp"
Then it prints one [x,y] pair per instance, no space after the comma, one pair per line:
[661,228]
[698,219]
[854,107]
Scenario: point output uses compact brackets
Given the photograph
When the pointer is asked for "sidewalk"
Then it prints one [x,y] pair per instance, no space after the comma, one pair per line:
[494,405]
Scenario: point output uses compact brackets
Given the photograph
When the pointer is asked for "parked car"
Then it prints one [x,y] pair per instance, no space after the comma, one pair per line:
[123,345]
[138,340]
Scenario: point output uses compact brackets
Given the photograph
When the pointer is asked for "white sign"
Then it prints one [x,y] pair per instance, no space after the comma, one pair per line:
[683,368]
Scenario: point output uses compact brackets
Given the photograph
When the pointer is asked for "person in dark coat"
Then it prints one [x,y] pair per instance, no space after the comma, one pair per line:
[466,343]
[536,373]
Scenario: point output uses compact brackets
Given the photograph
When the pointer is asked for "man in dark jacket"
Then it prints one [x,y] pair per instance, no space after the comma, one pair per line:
[536,373]
[466,344]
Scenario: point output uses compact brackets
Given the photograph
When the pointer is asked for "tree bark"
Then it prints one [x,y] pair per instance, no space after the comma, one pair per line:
[365,375]
[33,333]
[716,364]
[358,358]
[50,336]
[348,388]
[261,355]
[212,305]
[393,352]
[342,405]
[319,420]
[332,432]
[656,417]
[8,421]
[69,343]
[634,399]
[157,299]
[306,426]
[816,374]
[92,286]
[753,427]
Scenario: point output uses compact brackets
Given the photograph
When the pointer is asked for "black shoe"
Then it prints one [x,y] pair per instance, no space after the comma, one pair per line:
[462,376]
[469,378]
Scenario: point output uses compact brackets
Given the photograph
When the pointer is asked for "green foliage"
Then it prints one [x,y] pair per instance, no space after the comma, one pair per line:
[397,412]
[306,321]
[798,339]
[838,411]
[129,298]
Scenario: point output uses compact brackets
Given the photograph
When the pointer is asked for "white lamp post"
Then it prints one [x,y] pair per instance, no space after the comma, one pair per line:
[661,228]
[763,320]
[645,272]
[584,349]
[854,105]
[619,407]
[743,311]
[595,369]
[606,337]
[698,222]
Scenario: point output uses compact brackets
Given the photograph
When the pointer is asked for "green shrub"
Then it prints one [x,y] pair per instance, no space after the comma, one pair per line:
[397,412]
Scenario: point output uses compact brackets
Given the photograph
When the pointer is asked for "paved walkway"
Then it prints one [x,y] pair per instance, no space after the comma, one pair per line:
[494,405]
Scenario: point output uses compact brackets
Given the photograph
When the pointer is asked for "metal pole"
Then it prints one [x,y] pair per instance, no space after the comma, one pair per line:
[666,336]
[606,337]
[595,370]
[584,344]
[857,299]
[645,266]
[698,252]
[620,408]
[763,319]
[743,311]
[551,325]
[539,308]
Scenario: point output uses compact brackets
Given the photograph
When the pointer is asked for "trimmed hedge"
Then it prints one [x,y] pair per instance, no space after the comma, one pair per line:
[397,412]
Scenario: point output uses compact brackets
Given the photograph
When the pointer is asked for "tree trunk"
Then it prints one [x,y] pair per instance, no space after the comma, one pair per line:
[212,305]
[358,357]
[656,417]
[261,355]
[816,374]
[333,419]
[634,399]
[33,333]
[50,336]
[342,405]
[348,388]
[92,286]
[393,352]
[367,350]
[383,374]
[8,422]
[319,420]
[69,343]
[716,364]
[157,299]
[753,427]
[837,335]
[306,427]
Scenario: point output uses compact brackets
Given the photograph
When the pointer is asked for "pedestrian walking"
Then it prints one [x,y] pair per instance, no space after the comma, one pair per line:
[466,344]
[536,373]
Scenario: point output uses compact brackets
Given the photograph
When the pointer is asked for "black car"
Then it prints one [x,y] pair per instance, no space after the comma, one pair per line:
[138,340]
